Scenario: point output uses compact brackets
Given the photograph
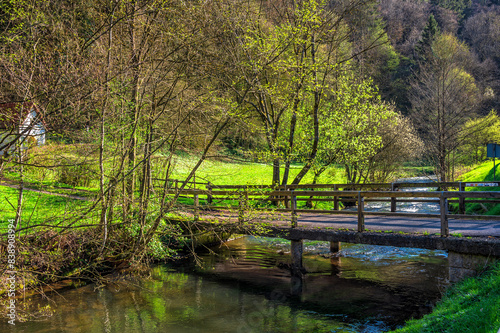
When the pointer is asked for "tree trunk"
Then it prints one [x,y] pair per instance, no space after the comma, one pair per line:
[291,138]
[317,93]
[134,112]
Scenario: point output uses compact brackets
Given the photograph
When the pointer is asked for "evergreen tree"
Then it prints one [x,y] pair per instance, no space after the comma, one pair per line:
[429,34]
[457,6]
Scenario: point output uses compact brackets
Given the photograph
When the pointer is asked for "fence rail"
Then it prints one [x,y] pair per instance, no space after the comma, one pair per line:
[393,186]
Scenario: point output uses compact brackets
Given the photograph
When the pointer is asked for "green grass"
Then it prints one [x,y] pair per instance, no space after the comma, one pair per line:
[242,173]
[482,172]
[415,169]
[471,306]
[38,208]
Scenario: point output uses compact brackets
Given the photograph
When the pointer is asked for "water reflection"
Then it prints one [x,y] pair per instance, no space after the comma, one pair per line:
[382,284]
[247,287]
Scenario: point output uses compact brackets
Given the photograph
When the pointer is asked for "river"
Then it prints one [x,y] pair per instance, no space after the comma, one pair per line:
[245,285]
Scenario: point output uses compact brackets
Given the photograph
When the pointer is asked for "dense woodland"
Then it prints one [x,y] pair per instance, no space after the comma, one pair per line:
[127,84]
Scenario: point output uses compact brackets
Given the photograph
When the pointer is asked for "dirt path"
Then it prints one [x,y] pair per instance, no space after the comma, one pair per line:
[69,196]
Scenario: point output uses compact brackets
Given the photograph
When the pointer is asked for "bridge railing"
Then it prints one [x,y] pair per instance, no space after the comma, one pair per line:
[240,198]
[395,186]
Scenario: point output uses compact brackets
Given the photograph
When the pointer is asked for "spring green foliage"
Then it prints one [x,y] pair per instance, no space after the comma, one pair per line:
[290,69]
[471,306]
[349,126]
[444,97]
[477,133]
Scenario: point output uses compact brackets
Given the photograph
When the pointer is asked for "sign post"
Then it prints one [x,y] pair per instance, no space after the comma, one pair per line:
[493,151]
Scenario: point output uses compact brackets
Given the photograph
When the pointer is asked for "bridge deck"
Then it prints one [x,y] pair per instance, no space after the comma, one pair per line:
[463,227]
[406,232]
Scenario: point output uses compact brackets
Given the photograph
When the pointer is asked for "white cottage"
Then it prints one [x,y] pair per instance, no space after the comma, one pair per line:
[22,122]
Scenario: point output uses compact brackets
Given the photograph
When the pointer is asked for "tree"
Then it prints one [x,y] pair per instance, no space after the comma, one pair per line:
[283,71]
[379,63]
[457,6]
[405,21]
[481,31]
[400,143]
[444,97]
[476,134]
[127,82]
[429,35]
[348,128]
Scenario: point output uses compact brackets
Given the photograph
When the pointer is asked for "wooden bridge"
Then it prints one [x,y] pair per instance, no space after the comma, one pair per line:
[280,206]
[248,199]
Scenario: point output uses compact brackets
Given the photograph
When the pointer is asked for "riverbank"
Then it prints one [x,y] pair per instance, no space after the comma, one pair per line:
[470,306]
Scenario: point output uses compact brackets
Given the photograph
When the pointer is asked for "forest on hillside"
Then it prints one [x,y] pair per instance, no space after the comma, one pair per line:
[125,85]
[287,80]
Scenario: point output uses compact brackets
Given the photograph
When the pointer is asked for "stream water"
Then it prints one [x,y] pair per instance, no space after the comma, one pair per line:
[407,207]
[245,285]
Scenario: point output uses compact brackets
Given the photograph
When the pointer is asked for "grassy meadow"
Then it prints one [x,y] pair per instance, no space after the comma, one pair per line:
[38,208]
[245,173]
[482,172]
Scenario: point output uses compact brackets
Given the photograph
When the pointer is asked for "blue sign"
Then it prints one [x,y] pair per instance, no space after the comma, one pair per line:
[493,150]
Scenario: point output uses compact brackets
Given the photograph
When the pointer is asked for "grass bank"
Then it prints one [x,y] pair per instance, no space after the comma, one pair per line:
[470,306]
[480,173]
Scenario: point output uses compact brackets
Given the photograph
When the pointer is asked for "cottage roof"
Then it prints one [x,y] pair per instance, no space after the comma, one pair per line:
[10,112]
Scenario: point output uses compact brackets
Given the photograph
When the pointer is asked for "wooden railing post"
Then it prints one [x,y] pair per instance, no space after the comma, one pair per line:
[287,205]
[443,206]
[241,208]
[393,199]
[209,194]
[196,214]
[294,208]
[361,215]
[461,199]
[247,200]
[335,199]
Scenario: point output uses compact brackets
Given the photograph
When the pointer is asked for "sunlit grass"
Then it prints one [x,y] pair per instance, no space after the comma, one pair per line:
[481,173]
[246,173]
[37,208]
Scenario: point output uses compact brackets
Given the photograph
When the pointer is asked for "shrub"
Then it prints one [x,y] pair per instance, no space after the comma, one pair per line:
[78,174]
